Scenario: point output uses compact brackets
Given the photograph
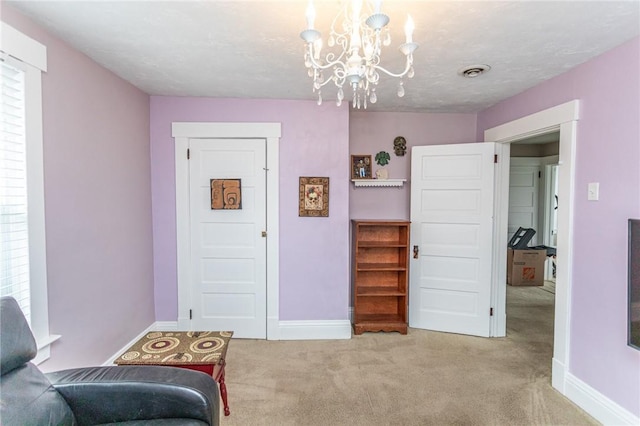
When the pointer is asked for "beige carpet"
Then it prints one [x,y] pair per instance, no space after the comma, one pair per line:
[423,378]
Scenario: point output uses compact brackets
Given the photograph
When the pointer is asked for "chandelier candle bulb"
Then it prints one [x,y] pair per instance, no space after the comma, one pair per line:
[377,4]
[310,15]
[356,5]
[408,29]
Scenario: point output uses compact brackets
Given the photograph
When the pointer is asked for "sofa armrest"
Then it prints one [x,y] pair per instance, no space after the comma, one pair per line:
[112,394]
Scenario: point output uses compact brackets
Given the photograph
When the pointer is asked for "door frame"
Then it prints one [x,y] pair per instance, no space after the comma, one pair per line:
[270,132]
[563,118]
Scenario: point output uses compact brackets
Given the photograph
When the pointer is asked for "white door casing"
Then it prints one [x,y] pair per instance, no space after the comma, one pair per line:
[182,133]
[228,251]
[452,226]
[562,118]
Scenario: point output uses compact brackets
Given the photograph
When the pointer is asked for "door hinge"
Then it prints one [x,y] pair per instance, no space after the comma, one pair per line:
[264,234]
[190,314]
[188,154]
[495,158]
[539,175]
[490,312]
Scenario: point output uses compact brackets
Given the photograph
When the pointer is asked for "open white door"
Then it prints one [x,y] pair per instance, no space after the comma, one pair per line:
[452,205]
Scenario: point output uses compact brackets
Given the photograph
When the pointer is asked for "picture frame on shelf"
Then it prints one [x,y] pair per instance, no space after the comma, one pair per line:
[314,197]
[361,167]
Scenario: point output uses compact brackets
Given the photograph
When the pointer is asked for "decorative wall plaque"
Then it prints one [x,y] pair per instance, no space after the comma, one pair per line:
[226,194]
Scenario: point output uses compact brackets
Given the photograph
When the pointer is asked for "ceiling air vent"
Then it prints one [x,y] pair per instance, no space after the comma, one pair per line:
[473,70]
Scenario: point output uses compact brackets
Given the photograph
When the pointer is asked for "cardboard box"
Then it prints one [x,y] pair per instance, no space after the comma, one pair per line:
[525,267]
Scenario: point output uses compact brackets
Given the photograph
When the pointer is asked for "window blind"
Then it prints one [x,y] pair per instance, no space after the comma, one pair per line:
[14,232]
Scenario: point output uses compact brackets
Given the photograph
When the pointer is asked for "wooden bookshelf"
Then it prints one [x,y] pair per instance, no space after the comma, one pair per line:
[380,275]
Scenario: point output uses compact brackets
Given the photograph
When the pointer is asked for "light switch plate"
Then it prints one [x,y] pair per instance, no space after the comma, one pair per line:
[593,191]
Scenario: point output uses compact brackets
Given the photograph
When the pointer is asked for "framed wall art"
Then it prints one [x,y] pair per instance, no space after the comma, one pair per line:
[314,197]
[361,167]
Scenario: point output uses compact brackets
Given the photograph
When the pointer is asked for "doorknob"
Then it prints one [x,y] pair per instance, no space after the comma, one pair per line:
[415,252]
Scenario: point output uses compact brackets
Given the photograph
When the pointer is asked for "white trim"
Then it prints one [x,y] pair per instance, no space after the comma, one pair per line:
[109,362]
[539,123]
[271,132]
[225,130]
[315,330]
[563,118]
[290,330]
[165,326]
[273,227]
[33,57]
[498,322]
[597,405]
[44,348]
[36,208]
[182,230]
[22,47]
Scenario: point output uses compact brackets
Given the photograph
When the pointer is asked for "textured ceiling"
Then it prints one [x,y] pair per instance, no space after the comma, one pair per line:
[252,49]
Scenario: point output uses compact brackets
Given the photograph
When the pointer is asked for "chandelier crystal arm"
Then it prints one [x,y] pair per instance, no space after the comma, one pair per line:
[399,75]
[329,59]
[407,49]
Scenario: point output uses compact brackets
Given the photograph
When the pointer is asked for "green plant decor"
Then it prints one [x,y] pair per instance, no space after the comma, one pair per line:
[382,158]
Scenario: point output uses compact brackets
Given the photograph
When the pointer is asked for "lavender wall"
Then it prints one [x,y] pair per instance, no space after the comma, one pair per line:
[372,132]
[314,252]
[98,204]
[608,151]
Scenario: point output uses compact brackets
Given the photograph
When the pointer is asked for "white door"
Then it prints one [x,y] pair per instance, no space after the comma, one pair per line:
[228,249]
[524,190]
[452,206]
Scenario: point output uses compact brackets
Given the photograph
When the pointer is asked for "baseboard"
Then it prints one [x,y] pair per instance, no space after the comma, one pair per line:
[165,326]
[558,374]
[273,328]
[597,405]
[315,330]
[109,362]
[285,330]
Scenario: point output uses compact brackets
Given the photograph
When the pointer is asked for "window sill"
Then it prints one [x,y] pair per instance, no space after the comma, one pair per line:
[44,348]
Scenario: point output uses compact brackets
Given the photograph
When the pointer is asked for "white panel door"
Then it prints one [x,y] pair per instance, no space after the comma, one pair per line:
[524,187]
[228,250]
[452,226]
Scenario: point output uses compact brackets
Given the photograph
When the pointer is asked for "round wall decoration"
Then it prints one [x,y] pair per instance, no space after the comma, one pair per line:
[400,146]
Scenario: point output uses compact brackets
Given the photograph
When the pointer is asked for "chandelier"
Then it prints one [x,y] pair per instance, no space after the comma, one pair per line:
[356,37]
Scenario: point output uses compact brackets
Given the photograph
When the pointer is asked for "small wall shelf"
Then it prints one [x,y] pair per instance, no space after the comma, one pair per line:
[378,182]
